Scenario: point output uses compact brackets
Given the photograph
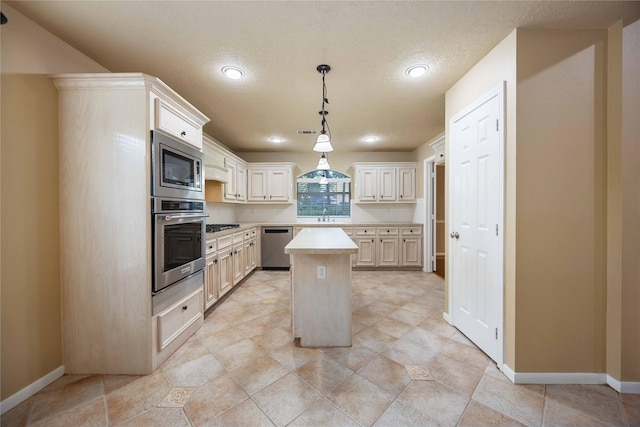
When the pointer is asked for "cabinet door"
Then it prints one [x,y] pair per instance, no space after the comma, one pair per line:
[387,251]
[225,265]
[366,255]
[174,122]
[238,263]
[278,185]
[411,253]
[407,184]
[250,256]
[367,184]
[387,184]
[241,182]
[257,185]
[211,280]
[230,188]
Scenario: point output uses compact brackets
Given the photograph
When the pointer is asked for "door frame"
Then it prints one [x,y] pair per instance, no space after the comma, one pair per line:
[499,92]
[429,209]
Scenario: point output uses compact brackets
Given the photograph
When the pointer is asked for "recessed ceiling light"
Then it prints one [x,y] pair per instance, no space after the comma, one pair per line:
[370,139]
[234,73]
[276,139]
[416,70]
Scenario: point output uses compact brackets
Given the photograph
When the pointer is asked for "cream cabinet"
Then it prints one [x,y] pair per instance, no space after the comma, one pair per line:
[385,182]
[225,267]
[211,275]
[388,246]
[235,189]
[270,182]
[250,250]
[411,246]
[172,120]
[108,323]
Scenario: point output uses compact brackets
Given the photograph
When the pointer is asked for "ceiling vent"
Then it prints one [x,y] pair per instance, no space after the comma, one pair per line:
[307,132]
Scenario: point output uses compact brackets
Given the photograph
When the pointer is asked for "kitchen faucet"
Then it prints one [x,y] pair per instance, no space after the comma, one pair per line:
[325,216]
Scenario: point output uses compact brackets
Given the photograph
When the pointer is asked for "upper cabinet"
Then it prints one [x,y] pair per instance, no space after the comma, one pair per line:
[235,189]
[172,120]
[385,182]
[270,182]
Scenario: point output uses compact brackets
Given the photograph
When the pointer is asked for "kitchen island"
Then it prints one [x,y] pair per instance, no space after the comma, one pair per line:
[321,287]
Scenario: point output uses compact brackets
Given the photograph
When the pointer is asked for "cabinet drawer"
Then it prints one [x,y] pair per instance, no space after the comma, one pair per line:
[172,121]
[237,237]
[250,234]
[211,246]
[365,231]
[225,241]
[177,318]
[411,231]
[387,231]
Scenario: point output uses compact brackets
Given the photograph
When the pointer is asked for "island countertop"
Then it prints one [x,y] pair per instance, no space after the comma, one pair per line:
[321,241]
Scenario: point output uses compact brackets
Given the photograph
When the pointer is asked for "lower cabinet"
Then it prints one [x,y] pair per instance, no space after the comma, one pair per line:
[229,259]
[388,247]
[225,267]
[211,280]
[178,317]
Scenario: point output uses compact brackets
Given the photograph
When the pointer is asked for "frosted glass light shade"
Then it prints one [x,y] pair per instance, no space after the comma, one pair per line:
[323,163]
[324,145]
[324,180]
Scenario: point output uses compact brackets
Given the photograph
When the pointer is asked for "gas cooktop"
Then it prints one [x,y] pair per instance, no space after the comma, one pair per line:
[212,228]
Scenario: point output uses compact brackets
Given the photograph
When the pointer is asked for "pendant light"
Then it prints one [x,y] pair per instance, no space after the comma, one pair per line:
[324,179]
[323,143]
[323,163]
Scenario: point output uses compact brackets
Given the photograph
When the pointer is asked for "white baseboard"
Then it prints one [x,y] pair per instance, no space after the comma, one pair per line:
[571,378]
[446,317]
[623,386]
[19,397]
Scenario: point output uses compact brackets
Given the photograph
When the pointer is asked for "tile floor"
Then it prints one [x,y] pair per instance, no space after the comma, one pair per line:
[407,367]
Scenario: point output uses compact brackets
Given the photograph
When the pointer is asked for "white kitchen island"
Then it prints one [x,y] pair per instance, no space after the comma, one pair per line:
[321,287]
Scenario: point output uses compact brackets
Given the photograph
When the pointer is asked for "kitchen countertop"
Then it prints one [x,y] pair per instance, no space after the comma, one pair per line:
[245,226]
[326,241]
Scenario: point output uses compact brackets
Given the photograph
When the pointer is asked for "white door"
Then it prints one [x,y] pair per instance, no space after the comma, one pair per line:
[476,222]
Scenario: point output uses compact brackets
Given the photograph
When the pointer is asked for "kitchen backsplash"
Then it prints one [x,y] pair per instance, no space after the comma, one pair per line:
[222,213]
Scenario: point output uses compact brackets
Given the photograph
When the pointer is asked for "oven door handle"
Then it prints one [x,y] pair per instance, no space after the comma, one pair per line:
[180,216]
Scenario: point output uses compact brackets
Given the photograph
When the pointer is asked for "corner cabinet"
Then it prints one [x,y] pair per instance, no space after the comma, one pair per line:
[270,182]
[108,324]
[385,182]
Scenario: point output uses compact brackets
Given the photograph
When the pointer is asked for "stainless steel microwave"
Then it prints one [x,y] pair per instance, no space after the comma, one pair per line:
[176,169]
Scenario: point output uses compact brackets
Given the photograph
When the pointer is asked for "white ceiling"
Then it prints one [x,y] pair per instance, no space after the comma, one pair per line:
[368,45]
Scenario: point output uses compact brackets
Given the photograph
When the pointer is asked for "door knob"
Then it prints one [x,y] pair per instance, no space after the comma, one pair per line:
[455,235]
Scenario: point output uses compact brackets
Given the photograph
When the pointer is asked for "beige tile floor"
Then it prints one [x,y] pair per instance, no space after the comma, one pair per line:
[407,367]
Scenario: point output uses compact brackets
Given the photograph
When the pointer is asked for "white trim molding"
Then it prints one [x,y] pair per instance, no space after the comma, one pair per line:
[571,378]
[623,386]
[19,397]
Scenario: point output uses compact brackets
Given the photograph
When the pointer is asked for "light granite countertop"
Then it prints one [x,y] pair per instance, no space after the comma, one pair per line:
[321,241]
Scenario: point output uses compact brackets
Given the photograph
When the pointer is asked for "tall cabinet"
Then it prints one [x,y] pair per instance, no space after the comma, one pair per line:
[105,224]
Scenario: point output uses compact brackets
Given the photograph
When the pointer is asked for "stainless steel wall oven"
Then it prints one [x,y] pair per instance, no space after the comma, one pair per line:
[179,240]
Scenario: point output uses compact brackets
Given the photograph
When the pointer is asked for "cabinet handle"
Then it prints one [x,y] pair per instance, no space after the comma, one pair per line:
[403,240]
[184,308]
[183,134]
[401,196]
[264,197]
[365,231]
[387,231]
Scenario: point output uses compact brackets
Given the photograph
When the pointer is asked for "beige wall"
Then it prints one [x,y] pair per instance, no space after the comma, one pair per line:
[561,203]
[31,336]
[572,150]
[623,225]
[496,67]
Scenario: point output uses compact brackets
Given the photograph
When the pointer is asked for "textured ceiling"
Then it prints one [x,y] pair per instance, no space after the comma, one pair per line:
[368,45]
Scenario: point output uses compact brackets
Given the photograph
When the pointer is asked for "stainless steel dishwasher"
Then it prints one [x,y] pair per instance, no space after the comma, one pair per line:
[273,241]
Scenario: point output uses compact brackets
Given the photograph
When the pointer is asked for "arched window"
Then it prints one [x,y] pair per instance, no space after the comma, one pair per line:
[317,197]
